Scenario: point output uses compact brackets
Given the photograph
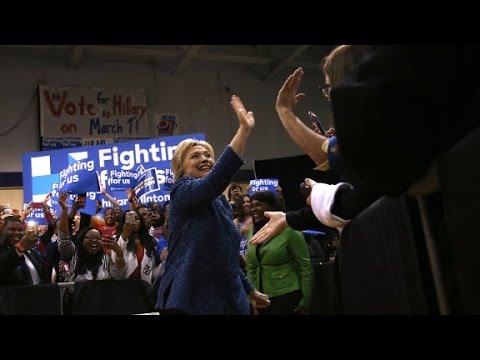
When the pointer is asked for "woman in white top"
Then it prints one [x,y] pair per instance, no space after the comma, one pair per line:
[139,247]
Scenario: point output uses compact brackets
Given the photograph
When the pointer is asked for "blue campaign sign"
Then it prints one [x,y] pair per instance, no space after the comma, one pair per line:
[263,185]
[114,166]
[147,182]
[75,180]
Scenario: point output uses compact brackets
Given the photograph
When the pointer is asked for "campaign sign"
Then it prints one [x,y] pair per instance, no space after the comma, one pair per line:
[115,166]
[76,180]
[263,185]
[147,182]
[89,112]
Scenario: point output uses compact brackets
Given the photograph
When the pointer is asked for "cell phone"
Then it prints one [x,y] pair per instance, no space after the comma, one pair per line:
[314,118]
[108,231]
[130,217]
[305,190]
[32,227]
[36,205]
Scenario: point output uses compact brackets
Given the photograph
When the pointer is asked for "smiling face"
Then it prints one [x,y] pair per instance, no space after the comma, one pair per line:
[182,157]
[109,217]
[258,209]
[263,201]
[91,241]
[13,231]
[198,162]
[247,204]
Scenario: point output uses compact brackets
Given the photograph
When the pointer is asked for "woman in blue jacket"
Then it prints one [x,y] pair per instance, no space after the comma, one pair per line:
[202,273]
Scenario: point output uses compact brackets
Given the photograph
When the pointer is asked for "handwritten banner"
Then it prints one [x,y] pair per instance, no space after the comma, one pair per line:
[84,112]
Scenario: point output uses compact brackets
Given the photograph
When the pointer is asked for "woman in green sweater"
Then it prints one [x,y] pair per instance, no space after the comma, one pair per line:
[281,267]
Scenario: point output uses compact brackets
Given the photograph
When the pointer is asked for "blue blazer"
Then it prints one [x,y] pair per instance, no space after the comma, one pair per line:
[202,271]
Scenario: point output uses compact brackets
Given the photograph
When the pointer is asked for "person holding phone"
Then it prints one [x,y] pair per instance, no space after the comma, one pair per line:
[20,260]
[333,205]
[138,246]
[311,141]
[86,258]
[202,272]
[329,146]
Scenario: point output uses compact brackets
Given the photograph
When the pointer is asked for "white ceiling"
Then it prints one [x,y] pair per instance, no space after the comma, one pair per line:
[265,60]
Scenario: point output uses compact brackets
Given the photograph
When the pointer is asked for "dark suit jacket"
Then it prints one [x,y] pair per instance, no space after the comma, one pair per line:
[13,270]
[401,108]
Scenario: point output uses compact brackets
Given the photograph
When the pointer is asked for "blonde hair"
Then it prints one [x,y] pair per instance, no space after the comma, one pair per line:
[341,60]
[181,151]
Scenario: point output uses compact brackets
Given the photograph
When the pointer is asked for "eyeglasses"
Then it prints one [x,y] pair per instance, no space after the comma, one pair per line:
[326,90]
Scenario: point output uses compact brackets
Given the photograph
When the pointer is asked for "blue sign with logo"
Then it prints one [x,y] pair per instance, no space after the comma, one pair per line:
[117,167]
[263,185]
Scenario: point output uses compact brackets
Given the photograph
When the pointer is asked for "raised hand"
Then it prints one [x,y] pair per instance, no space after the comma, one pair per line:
[62,200]
[288,97]
[130,194]
[28,239]
[110,243]
[47,198]
[245,118]
[128,229]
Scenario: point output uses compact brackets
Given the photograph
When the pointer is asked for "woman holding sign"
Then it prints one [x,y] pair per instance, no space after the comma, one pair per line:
[202,273]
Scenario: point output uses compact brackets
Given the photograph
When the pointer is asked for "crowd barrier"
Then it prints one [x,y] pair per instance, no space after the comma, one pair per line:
[106,297]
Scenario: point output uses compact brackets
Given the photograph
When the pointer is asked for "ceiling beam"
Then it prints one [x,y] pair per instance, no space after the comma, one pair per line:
[77,53]
[117,50]
[158,54]
[308,65]
[299,50]
[188,58]
[235,59]
[29,47]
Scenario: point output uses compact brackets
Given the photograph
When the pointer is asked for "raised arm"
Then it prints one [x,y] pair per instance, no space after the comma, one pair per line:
[197,191]
[77,205]
[305,138]
[65,245]
[109,197]
[246,124]
[132,199]
[28,210]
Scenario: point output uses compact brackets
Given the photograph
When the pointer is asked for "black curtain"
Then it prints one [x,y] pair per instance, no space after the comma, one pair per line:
[291,171]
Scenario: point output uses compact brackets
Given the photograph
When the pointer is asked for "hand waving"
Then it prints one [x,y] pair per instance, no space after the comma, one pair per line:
[288,97]
[245,118]
[62,200]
